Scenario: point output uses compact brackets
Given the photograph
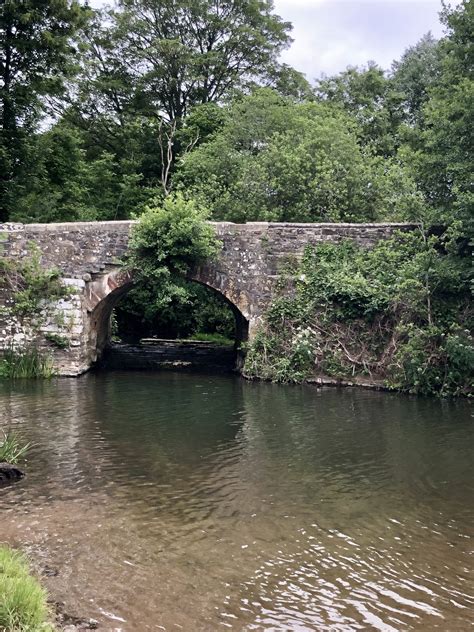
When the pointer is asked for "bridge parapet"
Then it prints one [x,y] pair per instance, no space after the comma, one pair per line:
[89,257]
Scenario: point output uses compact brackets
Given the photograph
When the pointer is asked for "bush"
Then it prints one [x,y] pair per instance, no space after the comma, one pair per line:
[399,313]
[31,284]
[168,241]
[171,238]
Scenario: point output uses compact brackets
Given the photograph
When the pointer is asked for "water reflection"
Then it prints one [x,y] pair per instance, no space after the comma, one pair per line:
[170,500]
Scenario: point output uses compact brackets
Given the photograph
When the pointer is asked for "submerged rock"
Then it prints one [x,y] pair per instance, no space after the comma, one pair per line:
[70,623]
[9,473]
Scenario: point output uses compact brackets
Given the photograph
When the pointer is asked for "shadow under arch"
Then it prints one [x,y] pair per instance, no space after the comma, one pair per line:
[105,292]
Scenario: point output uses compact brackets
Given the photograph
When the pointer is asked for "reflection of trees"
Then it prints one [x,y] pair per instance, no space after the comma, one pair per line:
[191,445]
[172,437]
[325,444]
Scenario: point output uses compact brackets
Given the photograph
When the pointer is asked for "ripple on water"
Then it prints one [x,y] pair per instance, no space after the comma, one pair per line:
[204,502]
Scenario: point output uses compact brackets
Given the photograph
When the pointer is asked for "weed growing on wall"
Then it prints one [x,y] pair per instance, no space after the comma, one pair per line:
[399,314]
[31,288]
[31,283]
[59,341]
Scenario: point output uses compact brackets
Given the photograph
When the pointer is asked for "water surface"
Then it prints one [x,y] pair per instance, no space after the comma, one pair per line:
[178,502]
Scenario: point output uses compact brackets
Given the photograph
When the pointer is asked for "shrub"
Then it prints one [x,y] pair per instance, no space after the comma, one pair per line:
[59,341]
[167,242]
[171,238]
[399,313]
[30,284]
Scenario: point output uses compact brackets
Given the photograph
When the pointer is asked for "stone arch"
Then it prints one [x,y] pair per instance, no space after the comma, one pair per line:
[104,291]
[228,287]
[241,322]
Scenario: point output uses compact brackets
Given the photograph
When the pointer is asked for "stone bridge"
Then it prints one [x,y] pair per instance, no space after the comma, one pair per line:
[89,257]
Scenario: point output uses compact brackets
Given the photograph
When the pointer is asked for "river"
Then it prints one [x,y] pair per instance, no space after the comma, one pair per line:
[166,501]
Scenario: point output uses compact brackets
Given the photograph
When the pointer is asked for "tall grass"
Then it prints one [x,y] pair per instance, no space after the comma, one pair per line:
[25,363]
[23,601]
[11,448]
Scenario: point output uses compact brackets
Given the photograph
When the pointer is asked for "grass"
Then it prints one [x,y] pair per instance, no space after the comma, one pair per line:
[11,448]
[25,363]
[218,339]
[23,601]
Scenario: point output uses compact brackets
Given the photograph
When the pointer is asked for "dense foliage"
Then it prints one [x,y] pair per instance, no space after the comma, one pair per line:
[36,54]
[143,313]
[167,242]
[277,160]
[103,111]
[398,314]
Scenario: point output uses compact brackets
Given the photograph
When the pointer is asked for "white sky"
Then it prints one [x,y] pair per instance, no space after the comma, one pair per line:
[330,35]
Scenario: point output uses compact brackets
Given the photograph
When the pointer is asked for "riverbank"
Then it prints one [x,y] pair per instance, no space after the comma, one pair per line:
[25,605]
[198,356]
[355,382]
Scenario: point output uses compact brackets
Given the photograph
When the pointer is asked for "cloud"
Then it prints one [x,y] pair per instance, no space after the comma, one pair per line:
[330,35]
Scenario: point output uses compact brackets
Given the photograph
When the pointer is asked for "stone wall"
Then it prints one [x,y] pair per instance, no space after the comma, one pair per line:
[90,257]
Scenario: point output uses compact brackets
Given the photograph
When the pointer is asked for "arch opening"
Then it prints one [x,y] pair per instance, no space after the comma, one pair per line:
[124,320]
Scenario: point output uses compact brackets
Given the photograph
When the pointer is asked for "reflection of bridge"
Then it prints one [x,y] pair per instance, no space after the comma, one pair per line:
[89,257]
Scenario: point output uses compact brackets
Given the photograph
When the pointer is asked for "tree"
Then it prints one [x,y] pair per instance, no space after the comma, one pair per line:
[155,61]
[443,160]
[35,54]
[278,160]
[290,83]
[159,59]
[64,184]
[184,52]
[366,94]
[415,74]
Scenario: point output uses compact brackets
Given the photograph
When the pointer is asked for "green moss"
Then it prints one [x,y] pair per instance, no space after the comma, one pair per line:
[61,342]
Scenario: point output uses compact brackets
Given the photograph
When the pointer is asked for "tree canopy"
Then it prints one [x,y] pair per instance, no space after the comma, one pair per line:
[151,96]
[36,54]
[184,105]
[277,160]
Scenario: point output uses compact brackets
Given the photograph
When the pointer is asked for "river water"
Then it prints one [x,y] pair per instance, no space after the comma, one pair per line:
[166,501]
